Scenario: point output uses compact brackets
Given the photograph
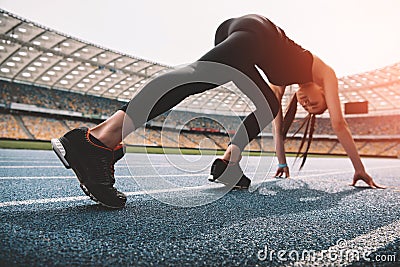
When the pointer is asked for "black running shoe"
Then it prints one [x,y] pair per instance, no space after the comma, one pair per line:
[93,164]
[223,171]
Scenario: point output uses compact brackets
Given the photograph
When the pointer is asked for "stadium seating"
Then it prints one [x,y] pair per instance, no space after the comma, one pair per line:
[91,105]
[56,99]
[9,127]
[44,128]
[87,82]
[72,124]
[366,125]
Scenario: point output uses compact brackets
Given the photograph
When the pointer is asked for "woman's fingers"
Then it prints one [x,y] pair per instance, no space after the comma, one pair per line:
[286,169]
[282,171]
[367,179]
[378,186]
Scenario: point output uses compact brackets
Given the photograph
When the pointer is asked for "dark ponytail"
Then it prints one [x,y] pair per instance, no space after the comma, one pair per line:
[308,121]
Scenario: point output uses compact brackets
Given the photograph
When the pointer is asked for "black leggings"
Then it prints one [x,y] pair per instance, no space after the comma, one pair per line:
[240,50]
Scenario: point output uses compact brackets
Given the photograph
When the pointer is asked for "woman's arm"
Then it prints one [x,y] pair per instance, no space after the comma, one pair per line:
[325,76]
[278,137]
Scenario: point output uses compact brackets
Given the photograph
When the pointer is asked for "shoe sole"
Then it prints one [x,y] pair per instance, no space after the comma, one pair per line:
[236,187]
[61,153]
[58,148]
[212,178]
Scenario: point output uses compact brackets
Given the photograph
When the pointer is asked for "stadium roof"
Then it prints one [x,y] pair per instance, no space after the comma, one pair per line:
[381,88]
[34,54]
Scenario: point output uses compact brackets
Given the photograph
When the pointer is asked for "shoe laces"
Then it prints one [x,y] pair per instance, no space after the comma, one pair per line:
[105,171]
[112,169]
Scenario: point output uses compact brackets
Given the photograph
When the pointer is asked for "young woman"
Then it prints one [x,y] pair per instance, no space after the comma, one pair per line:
[241,44]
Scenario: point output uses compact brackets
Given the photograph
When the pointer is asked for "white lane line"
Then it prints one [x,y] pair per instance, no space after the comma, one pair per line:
[35,177]
[117,176]
[67,199]
[41,201]
[135,193]
[357,249]
[344,171]
[21,161]
[190,174]
[32,167]
[192,165]
[57,165]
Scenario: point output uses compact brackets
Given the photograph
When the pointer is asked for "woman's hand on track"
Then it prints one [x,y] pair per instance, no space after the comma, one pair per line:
[281,171]
[362,175]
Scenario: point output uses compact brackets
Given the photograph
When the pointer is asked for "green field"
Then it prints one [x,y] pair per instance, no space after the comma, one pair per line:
[19,144]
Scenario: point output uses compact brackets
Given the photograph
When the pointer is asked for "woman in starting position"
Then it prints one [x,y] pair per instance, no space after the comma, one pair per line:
[241,44]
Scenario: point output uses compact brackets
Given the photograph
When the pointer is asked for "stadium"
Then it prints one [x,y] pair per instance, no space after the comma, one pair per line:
[52,82]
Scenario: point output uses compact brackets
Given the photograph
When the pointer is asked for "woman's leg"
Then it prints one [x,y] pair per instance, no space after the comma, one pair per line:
[267,105]
[158,96]
[238,51]
[256,121]
[109,132]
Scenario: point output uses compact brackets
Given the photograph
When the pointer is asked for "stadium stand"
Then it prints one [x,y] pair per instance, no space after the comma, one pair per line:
[88,105]
[51,82]
[203,131]
[137,140]
[44,128]
[204,128]
[72,124]
[9,128]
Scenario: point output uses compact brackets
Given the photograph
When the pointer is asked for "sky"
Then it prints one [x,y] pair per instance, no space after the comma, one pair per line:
[352,36]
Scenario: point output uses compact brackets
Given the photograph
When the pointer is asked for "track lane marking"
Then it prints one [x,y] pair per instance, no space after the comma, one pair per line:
[199,174]
[117,176]
[80,198]
[121,176]
[346,171]
[117,166]
[208,186]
